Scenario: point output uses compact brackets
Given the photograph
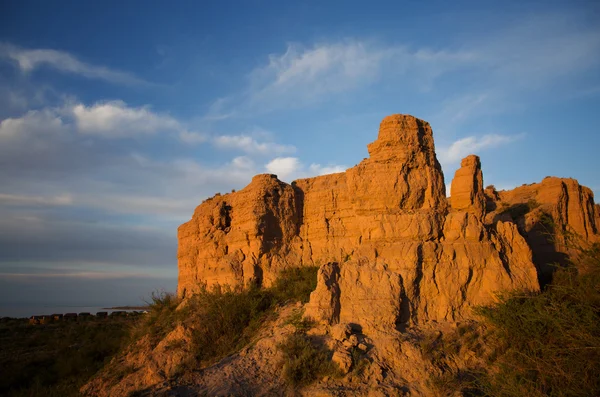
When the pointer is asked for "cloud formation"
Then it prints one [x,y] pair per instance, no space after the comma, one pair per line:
[472,145]
[115,119]
[32,59]
[250,145]
[291,168]
[283,166]
[20,200]
[305,75]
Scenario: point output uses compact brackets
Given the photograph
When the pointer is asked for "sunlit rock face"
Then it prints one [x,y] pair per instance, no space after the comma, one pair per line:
[393,250]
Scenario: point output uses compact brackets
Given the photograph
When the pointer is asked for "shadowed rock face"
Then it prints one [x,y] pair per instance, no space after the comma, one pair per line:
[392,252]
[556,216]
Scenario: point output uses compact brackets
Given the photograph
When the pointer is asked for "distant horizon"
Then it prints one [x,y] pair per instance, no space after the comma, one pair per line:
[117,120]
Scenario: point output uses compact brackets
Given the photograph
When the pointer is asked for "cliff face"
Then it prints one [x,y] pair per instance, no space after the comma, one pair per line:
[556,216]
[382,232]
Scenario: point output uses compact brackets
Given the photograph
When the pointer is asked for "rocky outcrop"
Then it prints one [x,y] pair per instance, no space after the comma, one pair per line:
[250,235]
[467,187]
[382,232]
[557,217]
[400,267]
[233,238]
[570,205]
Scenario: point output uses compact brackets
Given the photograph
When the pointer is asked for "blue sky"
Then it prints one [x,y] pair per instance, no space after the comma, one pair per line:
[118,118]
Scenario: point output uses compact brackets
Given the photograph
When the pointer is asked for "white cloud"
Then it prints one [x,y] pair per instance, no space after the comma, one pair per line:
[249,145]
[16,199]
[113,119]
[116,119]
[283,166]
[29,60]
[461,107]
[523,61]
[307,75]
[317,169]
[339,66]
[76,275]
[192,137]
[218,110]
[532,53]
[472,144]
[243,162]
[345,62]
[31,124]
[291,168]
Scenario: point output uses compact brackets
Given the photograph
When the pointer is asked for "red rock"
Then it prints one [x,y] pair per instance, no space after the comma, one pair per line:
[382,231]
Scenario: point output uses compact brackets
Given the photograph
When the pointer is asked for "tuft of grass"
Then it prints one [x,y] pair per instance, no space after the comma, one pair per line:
[162,316]
[359,361]
[461,382]
[295,284]
[304,361]
[299,322]
[517,211]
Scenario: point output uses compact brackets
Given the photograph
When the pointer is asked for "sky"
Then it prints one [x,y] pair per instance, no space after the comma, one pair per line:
[118,118]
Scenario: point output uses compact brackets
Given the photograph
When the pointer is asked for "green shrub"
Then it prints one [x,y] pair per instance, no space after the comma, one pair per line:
[360,362]
[299,322]
[548,344]
[224,320]
[304,361]
[295,284]
[162,316]
[57,359]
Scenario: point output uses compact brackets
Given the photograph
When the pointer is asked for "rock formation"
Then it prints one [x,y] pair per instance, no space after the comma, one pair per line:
[383,234]
[399,268]
[557,217]
[467,187]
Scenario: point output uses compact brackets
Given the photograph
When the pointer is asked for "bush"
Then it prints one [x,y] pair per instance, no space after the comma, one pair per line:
[161,318]
[224,320]
[56,359]
[304,361]
[295,284]
[548,343]
[299,322]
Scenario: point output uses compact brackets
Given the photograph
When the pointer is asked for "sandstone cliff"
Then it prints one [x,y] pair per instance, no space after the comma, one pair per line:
[557,217]
[400,267]
[384,234]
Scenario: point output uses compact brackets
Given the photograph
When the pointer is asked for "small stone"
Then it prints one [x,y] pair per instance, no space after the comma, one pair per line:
[353,339]
[340,331]
[343,359]
[362,347]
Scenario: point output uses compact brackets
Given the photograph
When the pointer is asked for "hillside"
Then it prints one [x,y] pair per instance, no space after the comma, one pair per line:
[403,277]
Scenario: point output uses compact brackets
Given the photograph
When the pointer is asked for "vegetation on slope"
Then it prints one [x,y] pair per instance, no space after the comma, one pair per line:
[56,359]
[224,319]
[533,344]
[548,344]
[304,360]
